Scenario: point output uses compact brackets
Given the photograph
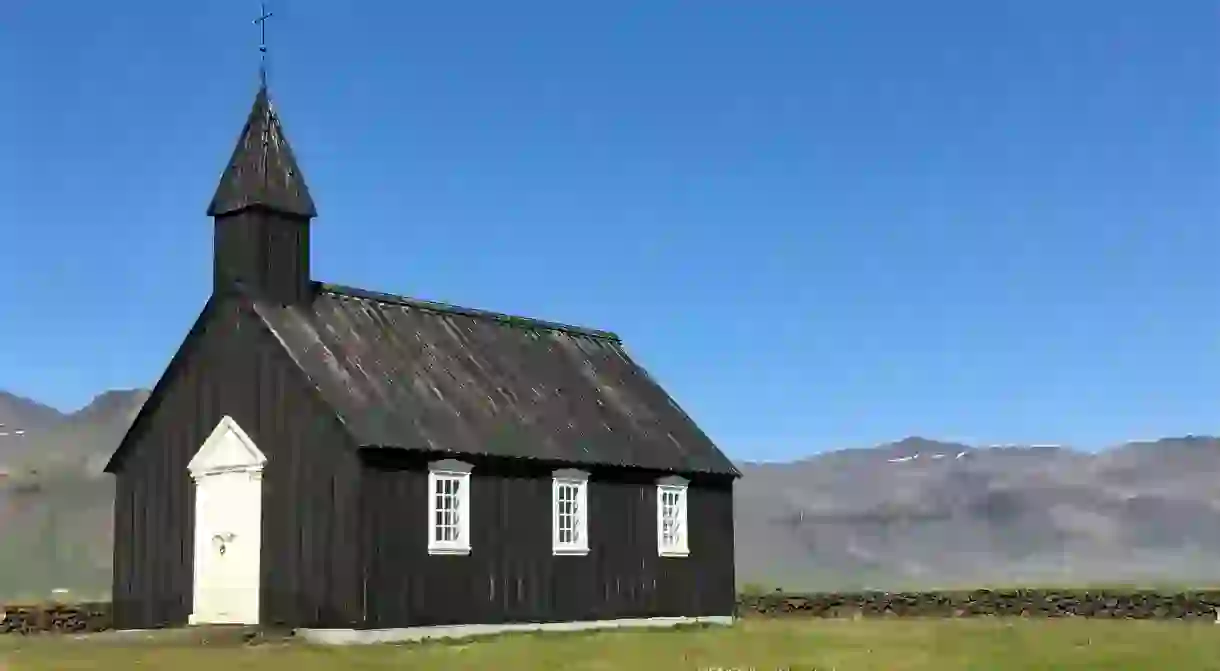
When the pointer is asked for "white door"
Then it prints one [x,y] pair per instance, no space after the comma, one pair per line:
[228,513]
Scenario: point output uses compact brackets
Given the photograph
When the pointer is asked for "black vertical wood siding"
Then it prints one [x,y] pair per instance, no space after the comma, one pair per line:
[511,574]
[345,531]
[267,252]
[310,547]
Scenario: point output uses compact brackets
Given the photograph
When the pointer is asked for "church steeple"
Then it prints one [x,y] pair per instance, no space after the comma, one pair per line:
[263,171]
[262,211]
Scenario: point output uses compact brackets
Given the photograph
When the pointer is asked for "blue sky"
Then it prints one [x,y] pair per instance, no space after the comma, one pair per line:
[820,224]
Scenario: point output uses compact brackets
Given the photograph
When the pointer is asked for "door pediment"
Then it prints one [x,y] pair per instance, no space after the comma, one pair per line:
[228,449]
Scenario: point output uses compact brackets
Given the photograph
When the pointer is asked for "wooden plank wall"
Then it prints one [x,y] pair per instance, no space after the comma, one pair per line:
[310,567]
[511,574]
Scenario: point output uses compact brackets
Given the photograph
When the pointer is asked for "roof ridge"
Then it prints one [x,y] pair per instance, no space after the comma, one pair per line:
[449,308]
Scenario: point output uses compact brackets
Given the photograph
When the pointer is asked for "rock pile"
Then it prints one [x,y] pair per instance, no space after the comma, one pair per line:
[1123,604]
[55,618]
[1009,603]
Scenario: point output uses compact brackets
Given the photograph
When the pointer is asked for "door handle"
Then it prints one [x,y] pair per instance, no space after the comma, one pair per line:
[221,540]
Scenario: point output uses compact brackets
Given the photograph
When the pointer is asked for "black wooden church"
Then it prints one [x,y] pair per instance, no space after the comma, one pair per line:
[323,457]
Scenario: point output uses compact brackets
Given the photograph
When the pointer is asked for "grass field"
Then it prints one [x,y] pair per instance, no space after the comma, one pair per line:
[840,645]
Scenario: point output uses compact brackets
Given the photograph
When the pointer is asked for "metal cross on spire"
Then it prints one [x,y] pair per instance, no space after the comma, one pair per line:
[261,22]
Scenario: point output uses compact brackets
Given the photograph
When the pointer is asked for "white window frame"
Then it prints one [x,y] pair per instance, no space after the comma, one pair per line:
[678,546]
[449,470]
[579,481]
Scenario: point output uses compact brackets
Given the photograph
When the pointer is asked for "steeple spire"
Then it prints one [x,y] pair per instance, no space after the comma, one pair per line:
[262,210]
[262,171]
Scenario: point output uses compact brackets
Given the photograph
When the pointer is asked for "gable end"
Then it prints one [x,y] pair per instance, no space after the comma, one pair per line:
[243,307]
[180,358]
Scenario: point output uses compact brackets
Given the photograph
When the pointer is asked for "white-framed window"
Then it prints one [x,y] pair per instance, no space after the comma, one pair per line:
[448,507]
[569,513]
[671,517]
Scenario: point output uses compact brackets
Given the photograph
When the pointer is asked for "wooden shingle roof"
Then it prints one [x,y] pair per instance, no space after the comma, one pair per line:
[411,374]
[262,172]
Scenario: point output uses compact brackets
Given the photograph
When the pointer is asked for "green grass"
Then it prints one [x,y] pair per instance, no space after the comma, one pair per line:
[980,644]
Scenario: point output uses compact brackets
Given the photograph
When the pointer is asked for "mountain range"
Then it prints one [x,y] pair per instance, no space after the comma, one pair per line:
[916,513]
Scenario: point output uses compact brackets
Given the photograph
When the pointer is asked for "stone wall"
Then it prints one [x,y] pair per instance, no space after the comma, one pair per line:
[55,618]
[1130,604]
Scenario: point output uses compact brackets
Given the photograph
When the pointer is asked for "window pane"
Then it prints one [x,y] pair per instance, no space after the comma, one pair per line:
[672,532]
[567,510]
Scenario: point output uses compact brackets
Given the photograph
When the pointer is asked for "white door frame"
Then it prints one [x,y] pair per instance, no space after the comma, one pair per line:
[225,457]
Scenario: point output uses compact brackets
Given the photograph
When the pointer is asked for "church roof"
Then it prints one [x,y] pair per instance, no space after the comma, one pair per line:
[406,373]
[262,171]
[412,374]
